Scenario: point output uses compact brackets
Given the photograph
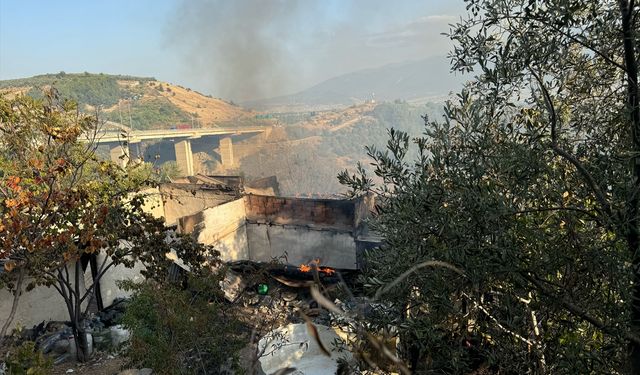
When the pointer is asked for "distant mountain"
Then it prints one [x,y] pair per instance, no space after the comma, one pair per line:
[427,79]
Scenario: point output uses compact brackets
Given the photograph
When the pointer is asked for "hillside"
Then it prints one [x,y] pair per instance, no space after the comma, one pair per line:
[306,150]
[423,80]
[308,154]
[142,102]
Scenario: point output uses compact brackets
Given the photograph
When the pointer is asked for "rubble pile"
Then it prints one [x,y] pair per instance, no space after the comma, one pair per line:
[56,340]
[279,307]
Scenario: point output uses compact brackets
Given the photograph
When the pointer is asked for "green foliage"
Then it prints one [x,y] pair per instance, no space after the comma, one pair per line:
[26,360]
[525,188]
[156,113]
[182,331]
[168,171]
[93,89]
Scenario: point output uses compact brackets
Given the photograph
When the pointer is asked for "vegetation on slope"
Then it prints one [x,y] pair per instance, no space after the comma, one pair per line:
[92,89]
[328,142]
[143,103]
[148,114]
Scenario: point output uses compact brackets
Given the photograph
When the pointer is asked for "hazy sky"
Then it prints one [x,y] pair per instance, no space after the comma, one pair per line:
[228,48]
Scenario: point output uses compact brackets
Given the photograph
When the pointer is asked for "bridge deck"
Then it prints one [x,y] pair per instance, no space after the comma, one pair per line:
[110,136]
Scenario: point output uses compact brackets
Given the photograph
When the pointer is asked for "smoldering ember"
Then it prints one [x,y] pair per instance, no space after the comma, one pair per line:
[284,187]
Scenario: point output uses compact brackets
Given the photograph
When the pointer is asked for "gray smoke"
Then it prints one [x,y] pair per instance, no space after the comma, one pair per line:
[238,47]
[250,49]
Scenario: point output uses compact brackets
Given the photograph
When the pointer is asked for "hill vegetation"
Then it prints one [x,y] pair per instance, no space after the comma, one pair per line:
[314,150]
[139,102]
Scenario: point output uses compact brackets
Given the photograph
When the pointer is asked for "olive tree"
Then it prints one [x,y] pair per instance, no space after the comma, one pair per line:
[530,187]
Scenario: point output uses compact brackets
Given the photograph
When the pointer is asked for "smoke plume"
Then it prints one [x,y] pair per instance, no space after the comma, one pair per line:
[251,49]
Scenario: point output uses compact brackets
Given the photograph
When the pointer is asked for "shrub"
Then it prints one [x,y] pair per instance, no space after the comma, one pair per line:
[25,359]
[181,331]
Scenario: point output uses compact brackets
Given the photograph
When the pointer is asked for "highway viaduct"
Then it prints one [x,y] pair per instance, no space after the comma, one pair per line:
[118,138]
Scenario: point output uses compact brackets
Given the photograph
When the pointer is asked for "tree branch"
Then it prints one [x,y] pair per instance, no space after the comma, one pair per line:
[553,119]
[579,312]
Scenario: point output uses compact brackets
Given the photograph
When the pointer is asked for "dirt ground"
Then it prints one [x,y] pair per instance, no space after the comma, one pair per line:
[100,364]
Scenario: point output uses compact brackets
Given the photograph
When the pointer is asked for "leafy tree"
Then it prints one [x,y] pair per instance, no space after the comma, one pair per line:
[60,205]
[529,189]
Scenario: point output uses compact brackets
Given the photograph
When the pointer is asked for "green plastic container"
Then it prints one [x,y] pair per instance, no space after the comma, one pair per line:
[263,289]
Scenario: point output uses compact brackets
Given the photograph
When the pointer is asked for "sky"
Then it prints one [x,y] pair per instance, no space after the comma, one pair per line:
[235,49]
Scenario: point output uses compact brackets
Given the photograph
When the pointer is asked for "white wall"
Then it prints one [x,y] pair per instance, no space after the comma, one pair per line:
[38,305]
[224,228]
[302,245]
[110,291]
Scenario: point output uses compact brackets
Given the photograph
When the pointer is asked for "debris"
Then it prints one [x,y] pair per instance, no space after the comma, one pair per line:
[61,346]
[289,296]
[62,358]
[119,335]
[232,285]
[102,339]
[293,346]
[47,342]
[263,289]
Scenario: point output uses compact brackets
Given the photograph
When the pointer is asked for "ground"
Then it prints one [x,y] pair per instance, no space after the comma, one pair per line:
[100,364]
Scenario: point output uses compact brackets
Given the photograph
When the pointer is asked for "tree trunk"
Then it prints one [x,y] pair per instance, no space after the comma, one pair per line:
[82,343]
[633,209]
[14,306]
[78,322]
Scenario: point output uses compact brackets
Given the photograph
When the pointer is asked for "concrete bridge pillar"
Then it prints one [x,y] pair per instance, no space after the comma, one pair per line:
[119,154]
[184,157]
[226,152]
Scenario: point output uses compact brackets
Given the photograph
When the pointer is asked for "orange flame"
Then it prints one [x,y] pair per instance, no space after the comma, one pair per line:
[315,265]
[304,268]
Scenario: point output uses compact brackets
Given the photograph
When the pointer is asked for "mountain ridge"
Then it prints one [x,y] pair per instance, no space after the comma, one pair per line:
[419,80]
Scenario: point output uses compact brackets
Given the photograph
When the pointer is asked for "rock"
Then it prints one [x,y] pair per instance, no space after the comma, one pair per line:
[289,295]
[306,356]
[145,371]
[69,371]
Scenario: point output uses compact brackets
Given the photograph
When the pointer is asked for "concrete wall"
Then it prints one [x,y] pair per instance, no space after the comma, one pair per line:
[323,213]
[46,304]
[301,245]
[153,202]
[223,227]
[38,305]
[110,291]
[187,199]
[261,228]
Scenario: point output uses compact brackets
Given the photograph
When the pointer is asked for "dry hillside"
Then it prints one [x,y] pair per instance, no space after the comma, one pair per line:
[206,111]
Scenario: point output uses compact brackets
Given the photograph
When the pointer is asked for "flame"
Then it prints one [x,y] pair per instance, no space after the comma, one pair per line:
[327,270]
[315,265]
[304,268]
